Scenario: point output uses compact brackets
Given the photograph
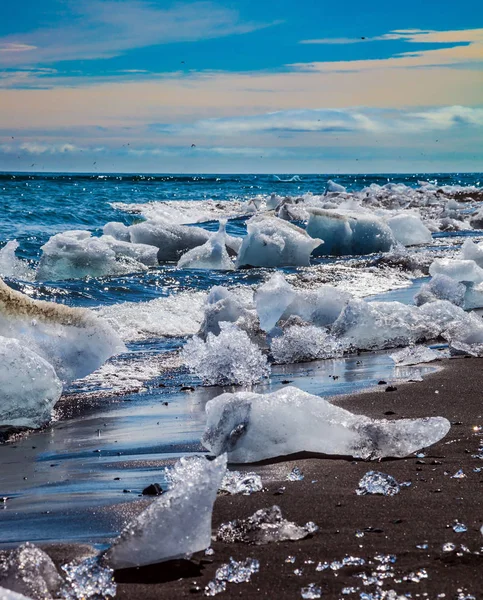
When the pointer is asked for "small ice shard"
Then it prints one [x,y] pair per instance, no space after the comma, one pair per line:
[273,242]
[211,255]
[409,230]
[263,527]
[229,358]
[73,340]
[235,482]
[12,266]
[375,482]
[177,523]
[214,588]
[237,571]
[295,475]
[88,580]
[459,270]
[251,427]
[459,527]
[28,570]
[170,239]
[29,386]
[459,474]
[346,233]
[441,287]
[415,355]
[449,547]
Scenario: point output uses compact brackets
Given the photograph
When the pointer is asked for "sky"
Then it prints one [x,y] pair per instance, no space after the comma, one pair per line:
[241,86]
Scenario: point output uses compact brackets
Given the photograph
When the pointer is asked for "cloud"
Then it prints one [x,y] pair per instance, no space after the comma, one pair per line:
[39,148]
[107,28]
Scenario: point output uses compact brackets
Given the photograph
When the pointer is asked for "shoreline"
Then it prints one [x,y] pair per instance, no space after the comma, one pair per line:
[423,513]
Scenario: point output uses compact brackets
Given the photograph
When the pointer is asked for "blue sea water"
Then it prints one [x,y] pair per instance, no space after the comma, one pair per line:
[137,435]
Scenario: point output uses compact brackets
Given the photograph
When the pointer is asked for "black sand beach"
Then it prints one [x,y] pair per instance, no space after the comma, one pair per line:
[422,514]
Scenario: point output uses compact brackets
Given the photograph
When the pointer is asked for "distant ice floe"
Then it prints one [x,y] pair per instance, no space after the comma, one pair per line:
[177,523]
[251,427]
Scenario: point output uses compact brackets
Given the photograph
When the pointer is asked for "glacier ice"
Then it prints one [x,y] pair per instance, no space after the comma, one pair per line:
[235,482]
[29,386]
[251,427]
[441,287]
[349,233]
[272,299]
[458,269]
[170,239]
[231,306]
[409,230]
[228,358]
[12,266]
[273,242]
[77,254]
[263,527]
[415,355]
[73,340]
[28,570]
[211,255]
[177,523]
[304,343]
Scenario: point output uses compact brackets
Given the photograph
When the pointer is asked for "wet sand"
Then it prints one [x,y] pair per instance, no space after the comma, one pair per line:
[423,513]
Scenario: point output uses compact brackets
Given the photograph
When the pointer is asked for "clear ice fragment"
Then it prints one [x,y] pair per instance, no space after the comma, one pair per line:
[375,482]
[235,482]
[88,580]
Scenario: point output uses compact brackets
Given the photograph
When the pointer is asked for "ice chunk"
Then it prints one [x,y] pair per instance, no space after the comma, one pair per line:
[466,335]
[349,233]
[472,251]
[229,358]
[237,571]
[311,592]
[252,427]
[29,387]
[459,270]
[177,523]
[73,340]
[9,595]
[334,187]
[88,581]
[263,527]
[375,482]
[77,254]
[211,255]
[302,344]
[441,287]
[272,299]
[12,266]
[30,571]
[476,219]
[415,355]
[409,230]
[117,230]
[272,242]
[231,306]
[170,239]
[235,482]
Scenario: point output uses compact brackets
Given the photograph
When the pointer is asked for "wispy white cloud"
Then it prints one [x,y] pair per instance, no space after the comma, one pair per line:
[419,36]
[38,148]
[107,28]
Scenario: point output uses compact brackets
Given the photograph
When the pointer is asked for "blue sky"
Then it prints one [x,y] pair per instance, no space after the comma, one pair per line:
[241,86]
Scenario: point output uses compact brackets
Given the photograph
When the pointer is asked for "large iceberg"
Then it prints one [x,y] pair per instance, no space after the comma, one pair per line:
[273,242]
[77,254]
[251,427]
[175,525]
[29,386]
[73,340]
[170,239]
[409,230]
[226,359]
[349,233]
[211,255]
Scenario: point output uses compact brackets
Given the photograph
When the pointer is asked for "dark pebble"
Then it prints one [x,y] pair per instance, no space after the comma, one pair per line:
[389,412]
[187,388]
[285,381]
[382,382]
[391,388]
[153,490]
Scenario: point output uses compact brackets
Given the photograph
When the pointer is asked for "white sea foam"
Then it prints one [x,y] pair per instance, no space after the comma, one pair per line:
[12,266]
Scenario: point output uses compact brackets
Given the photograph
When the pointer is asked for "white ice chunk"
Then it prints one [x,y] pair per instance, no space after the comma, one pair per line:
[272,299]
[170,239]
[226,305]
[252,427]
[73,340]
[472,251]
[304,343]
[226,359]
[375,482]
[29,386]
[273,242]
[332,186]
[30,571]
[409,230]
[12,266]
[441,287]
[211,255]
[415,355]
[476,219]
[77,254]
[117,230]
[235,482]
[459,270]
[9,595]
[349,233]
[177,523]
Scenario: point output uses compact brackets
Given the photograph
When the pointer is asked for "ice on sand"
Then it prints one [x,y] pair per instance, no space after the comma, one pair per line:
[29,386]
[415,355]
[211,255]
[375,482]
[409,230]
[30,571]
[73,340]
[251,427]
[349,233]
[175,525]
[228,358]
[273,242]
[235,482]
[263,527]
[88,580]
